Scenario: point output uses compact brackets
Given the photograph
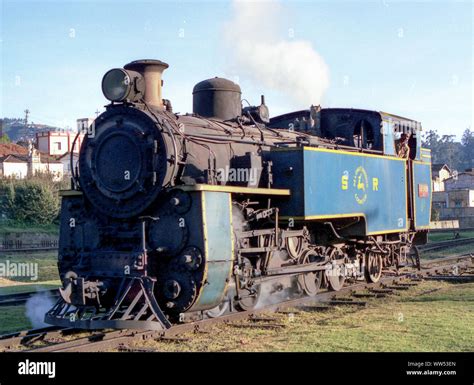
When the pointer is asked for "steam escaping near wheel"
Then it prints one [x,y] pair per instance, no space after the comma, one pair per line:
[36,307]
[272,293]
[238,221]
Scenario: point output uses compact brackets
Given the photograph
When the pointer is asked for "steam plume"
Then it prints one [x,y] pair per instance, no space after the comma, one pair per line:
[36,308]
[292,67]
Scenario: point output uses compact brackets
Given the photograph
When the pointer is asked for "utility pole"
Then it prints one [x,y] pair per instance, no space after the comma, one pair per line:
[25,131]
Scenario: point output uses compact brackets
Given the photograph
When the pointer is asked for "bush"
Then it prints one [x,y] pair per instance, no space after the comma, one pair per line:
[33,201]
[435,214]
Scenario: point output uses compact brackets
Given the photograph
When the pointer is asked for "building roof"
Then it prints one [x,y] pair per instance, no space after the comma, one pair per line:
[438,166]
[12,148]
[450,179]
[22,158]
[14,158]
[46,158]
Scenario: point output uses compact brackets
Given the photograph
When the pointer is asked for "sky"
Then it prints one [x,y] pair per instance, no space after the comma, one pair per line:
[413,59]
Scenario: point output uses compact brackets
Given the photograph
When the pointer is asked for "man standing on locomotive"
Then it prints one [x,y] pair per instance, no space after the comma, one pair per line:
[403,149]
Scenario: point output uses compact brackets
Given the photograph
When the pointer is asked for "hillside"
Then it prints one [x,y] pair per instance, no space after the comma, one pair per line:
[15,128]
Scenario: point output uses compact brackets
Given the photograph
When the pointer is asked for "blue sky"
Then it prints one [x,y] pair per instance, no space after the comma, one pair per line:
[414,59]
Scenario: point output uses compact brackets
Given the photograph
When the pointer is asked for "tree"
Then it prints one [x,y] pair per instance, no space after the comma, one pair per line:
[450,152]
[35,203]
[444,150]
[431,141]
[467,142]
[5,139]
[7,199]
[31,201]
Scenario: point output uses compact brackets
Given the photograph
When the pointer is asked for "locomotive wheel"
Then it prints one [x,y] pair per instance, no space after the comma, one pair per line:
[249,299]
[294,246]
[310,283]
[335,281]
[373,267]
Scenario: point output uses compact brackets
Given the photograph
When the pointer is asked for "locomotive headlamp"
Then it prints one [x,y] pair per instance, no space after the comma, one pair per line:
[119,85]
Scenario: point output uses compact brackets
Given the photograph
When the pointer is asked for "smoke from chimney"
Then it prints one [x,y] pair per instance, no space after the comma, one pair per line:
[292,67]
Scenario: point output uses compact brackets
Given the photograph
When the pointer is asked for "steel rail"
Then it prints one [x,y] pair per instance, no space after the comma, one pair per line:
[15,299]
[445,244]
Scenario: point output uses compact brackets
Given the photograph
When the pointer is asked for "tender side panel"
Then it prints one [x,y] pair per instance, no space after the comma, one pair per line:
[422,194]
[216,211]
[341,184]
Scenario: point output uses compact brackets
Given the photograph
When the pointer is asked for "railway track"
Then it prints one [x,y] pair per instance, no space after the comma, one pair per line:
[53,338]
[27,249]
[16,299]
[441,245]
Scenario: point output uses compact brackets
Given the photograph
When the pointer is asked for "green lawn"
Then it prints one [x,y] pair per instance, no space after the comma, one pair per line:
[449,235]
[451,252]
[52,229]
[47,264]
[45,285]
[412,321]
[14,318]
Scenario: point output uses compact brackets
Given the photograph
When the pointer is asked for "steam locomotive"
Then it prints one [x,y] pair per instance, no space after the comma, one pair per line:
[172,218]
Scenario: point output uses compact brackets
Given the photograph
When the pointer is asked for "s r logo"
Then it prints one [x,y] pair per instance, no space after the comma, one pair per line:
[345,180]
[361,183]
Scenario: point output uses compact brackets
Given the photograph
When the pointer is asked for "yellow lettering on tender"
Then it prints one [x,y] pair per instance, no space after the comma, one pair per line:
[375,184]
[344,182]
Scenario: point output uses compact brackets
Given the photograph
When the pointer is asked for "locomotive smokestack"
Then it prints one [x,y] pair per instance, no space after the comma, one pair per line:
[152,71]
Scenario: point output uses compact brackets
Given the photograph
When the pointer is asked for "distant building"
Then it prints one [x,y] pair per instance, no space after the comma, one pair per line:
[57,143]
[19,162]
[440,172]
[84,124]
[457,199]
[460,181]
[14,166]
[66,161]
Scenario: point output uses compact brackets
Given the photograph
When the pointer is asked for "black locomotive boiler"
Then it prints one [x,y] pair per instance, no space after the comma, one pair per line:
[173,218]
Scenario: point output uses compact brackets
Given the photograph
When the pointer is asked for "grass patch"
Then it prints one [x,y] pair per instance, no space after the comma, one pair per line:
[417,320]
[47,265]
[449,235]
[25,228]
[13,318]
[46,285]
[451,252]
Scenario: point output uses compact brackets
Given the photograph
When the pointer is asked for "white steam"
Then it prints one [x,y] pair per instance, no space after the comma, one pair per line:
[275,292]
[255,44]
[36,308]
